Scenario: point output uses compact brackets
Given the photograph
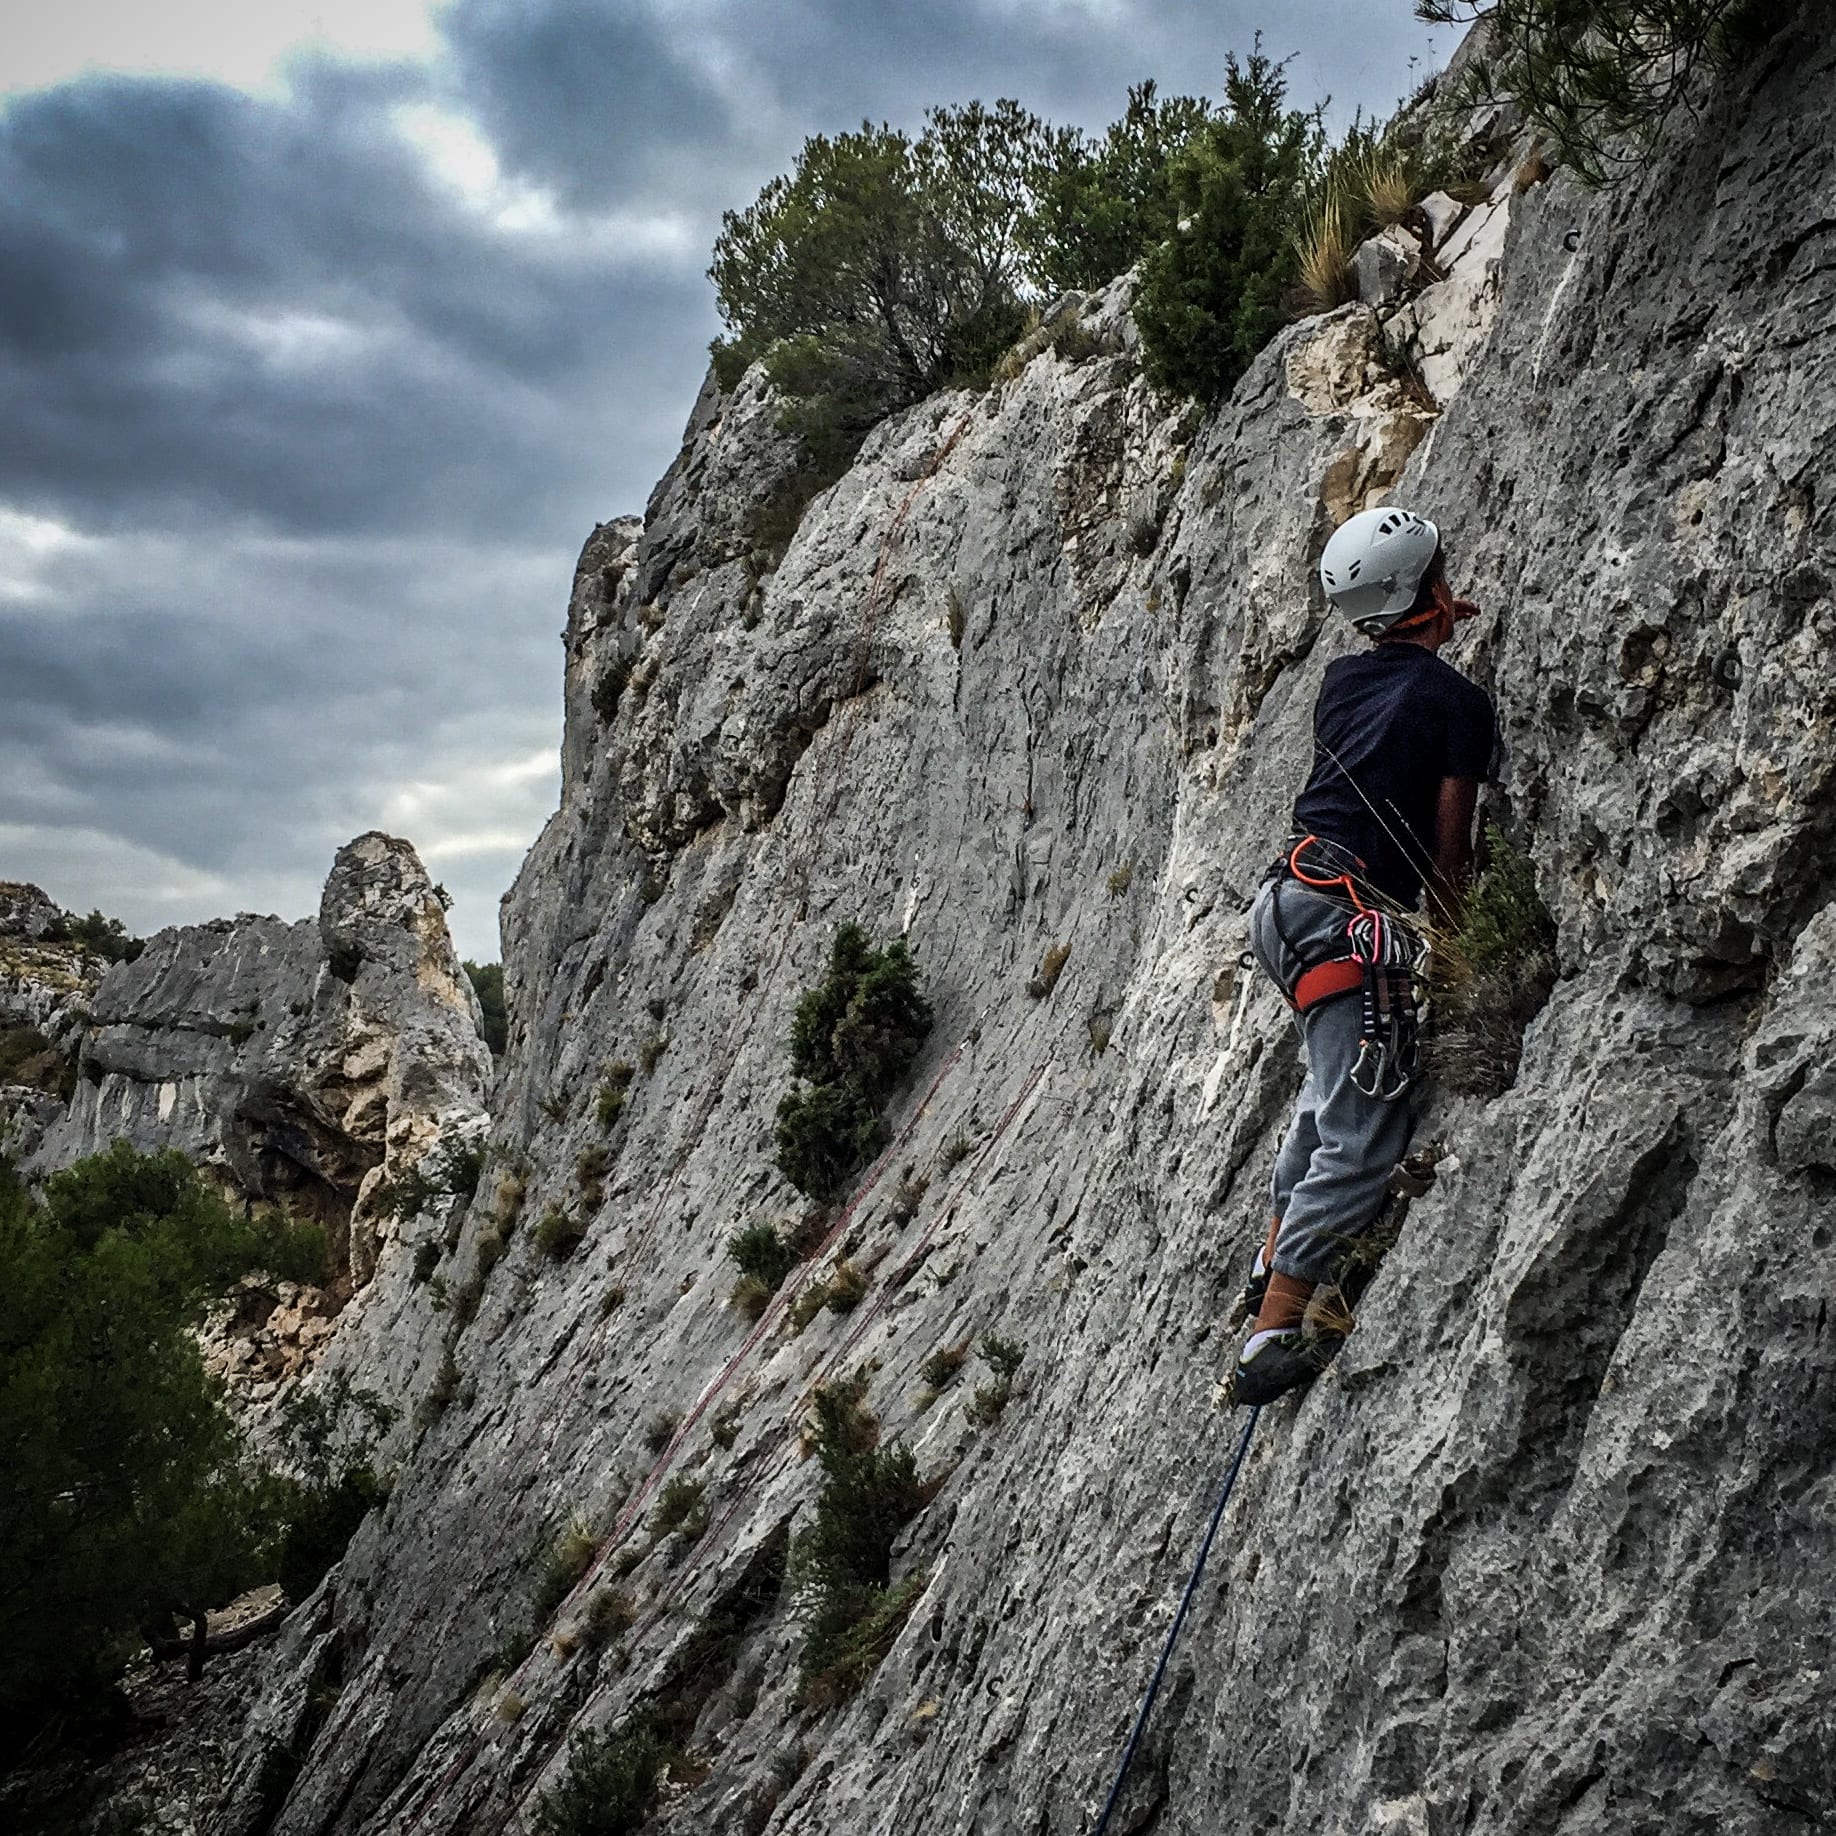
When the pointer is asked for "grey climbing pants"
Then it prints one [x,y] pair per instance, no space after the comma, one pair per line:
[1342,1145]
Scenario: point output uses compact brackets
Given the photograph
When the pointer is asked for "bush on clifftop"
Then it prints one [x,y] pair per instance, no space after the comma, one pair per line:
[1217,289]
[882,268]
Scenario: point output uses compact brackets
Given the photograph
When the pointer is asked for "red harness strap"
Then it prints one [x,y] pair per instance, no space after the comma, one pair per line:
[1325,980]
[1342,974]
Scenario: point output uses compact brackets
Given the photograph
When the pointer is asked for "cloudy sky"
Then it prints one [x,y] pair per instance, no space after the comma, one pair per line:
[328,329]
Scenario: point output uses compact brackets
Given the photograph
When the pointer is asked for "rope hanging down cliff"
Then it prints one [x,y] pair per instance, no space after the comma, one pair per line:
[1173,1631]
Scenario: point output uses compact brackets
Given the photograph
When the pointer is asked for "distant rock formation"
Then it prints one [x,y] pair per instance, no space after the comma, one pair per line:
[312,1064]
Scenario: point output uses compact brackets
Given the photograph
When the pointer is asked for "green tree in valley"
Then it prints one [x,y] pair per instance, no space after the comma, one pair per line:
[1102,204]
[1215,292]
[487,981]
[129,1500]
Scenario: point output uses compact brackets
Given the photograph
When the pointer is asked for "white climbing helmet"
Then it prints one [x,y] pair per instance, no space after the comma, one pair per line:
[1374,563]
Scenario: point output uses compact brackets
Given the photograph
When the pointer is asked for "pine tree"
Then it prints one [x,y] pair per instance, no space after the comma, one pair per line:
[1603,78]
[129,1501]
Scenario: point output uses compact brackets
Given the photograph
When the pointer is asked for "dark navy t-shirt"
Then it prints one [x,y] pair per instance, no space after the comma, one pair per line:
[1392,722]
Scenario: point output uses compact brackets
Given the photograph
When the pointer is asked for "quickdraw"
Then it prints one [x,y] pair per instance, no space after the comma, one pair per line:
[1388,955]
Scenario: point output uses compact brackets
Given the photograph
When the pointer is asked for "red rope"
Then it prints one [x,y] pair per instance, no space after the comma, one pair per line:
[712,1536]
[628,1516]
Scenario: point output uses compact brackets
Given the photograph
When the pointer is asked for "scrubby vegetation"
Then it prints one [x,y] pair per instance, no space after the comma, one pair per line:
[681,1509]
[881,268]
[560,1232]
[1100,204]
[331,1483]
[450,1169]
[565,1561]
[842,1565]
[610,1786]
[1491,972]
[885,266]
[1213,293]
[614,1089]
[1003,1358]
[104,937]
[130,1502]
[28,1057]
[761,1250]
[854,1037]
[1603,78]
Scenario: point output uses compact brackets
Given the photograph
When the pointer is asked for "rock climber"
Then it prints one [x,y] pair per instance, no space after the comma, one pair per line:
[1402,741]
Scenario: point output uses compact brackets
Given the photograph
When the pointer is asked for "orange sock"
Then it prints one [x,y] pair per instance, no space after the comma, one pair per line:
[1283,1303]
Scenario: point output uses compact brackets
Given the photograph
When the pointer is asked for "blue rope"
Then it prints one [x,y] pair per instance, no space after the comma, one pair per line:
[1179,1619]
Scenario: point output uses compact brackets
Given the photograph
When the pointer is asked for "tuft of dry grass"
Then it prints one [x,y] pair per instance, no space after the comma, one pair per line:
[1325,252]
[751,1296]
[847,1288]
[1389,190]
[1051,967]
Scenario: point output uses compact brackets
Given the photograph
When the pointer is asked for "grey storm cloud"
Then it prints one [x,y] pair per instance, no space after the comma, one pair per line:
[306,416]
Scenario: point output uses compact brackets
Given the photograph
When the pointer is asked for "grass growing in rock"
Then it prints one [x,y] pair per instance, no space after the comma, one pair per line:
[842,1565]
[1491,974]
[854,1037]
[560,1233]
[681,1510]
[1003,1358]
[568,1558]
[610,1614]
[609,1105]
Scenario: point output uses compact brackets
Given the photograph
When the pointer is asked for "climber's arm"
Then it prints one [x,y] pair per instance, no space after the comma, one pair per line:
[1453,847]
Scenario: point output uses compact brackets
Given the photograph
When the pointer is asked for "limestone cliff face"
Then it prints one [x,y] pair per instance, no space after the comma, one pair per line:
[1545,1549]
[309,1063]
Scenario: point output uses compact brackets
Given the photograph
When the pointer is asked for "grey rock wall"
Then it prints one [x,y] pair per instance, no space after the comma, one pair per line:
[1546,1548]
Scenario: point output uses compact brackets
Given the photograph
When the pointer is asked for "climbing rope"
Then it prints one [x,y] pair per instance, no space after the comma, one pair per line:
[1179,1619]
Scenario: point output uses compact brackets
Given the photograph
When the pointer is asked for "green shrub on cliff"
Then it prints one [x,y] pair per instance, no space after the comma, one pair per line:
[854,1037]
[1602,78]
[129,1501]
[1492,972]
[842,1565]
[610,1786]
[1216,290]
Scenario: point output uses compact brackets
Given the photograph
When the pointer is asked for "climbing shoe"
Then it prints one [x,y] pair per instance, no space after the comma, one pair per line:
[1273,1363]
[1299,1329]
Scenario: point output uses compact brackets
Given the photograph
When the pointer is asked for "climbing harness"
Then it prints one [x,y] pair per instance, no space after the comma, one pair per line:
[1383,959]
[1179,1620]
